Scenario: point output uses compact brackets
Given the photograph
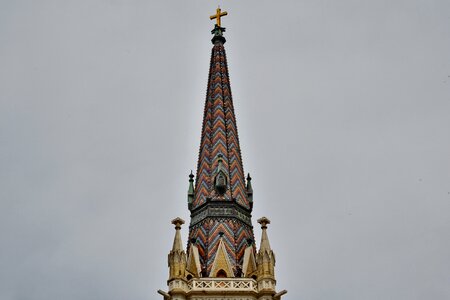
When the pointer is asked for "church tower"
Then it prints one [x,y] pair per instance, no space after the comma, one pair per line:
[221,260]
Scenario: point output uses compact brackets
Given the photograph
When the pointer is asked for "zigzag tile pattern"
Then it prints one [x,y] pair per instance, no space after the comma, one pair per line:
[208,235]
[219,136]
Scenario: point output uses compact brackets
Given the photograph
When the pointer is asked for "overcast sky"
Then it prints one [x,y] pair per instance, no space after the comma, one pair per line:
[343,110]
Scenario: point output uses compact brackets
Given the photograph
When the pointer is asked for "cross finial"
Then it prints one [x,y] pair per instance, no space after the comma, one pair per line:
[218,15]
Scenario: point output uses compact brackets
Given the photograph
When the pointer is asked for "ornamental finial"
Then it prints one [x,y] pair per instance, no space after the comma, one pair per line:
[178,222]
[264,222]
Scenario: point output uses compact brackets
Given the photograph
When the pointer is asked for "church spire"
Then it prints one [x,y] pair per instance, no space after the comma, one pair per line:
[219,145]
[221,201]
[222,261]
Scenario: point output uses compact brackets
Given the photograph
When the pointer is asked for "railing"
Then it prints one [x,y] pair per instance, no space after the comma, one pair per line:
[229,284]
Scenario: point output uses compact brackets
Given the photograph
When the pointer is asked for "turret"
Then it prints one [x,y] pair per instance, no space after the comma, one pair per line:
[265,259]
[177,256]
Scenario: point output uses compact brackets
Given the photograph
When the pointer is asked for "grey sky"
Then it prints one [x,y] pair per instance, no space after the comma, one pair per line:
[343,112]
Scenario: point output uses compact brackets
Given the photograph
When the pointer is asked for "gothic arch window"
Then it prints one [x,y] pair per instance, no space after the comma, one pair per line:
[221,274]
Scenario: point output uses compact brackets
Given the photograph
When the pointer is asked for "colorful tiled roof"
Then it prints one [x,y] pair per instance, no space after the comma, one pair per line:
[219,138]
[220,204]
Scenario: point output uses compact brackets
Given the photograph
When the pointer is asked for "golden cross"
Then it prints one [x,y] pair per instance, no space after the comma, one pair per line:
[217,16]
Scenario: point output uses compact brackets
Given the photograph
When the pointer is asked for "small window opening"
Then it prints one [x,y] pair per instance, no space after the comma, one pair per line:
[221,274]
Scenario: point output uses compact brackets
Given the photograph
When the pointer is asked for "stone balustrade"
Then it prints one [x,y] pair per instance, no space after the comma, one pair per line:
[223,284]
